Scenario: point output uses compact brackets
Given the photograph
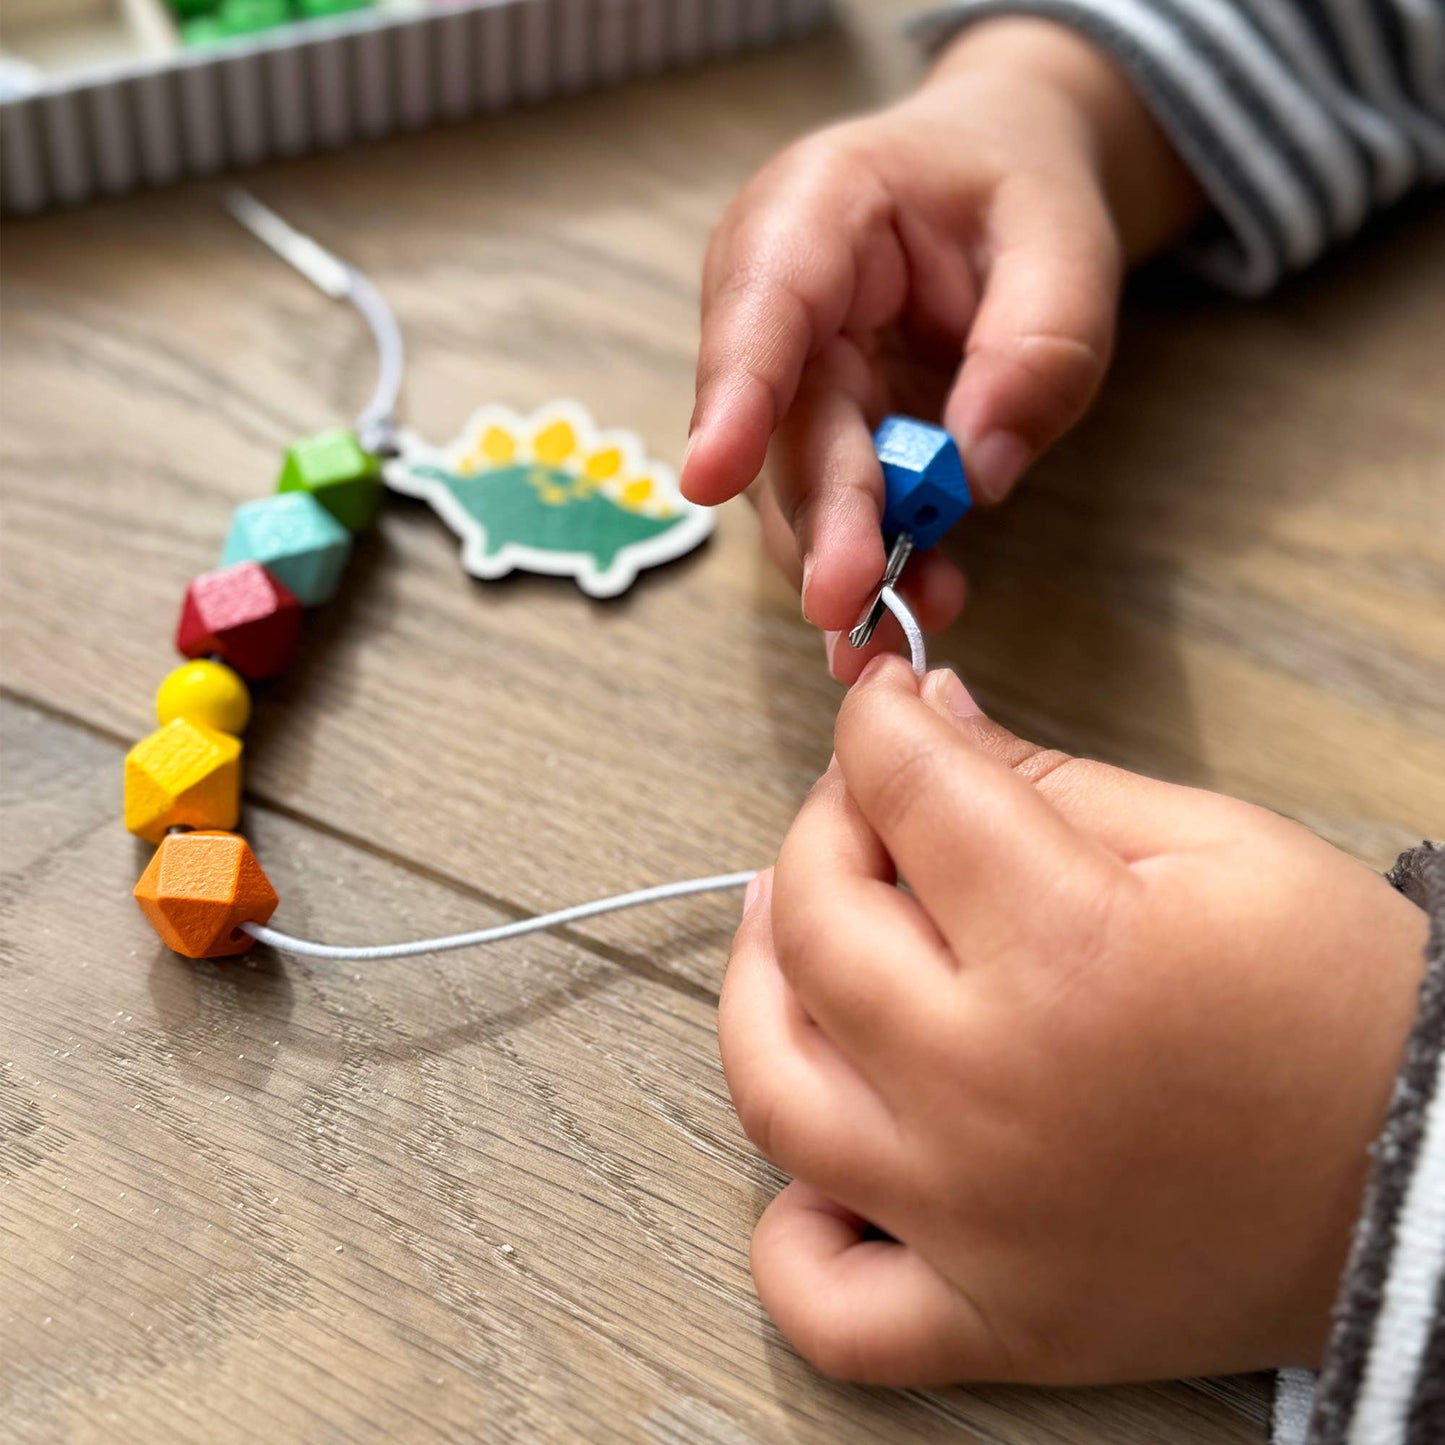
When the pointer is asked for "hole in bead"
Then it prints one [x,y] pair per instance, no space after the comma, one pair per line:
[925,515]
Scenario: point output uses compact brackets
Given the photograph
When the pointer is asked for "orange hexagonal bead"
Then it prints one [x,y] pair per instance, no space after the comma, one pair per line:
[199,889]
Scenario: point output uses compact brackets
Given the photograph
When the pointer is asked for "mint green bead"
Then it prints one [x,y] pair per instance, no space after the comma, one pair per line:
[295,539]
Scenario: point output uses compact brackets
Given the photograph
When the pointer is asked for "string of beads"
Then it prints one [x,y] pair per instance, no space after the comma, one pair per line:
[203,891]
[239,624]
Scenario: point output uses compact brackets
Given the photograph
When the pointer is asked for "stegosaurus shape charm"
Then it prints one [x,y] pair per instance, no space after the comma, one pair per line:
[552,493]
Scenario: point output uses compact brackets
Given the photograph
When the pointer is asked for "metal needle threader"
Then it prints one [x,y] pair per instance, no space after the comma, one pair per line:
[898,556]
[925,493]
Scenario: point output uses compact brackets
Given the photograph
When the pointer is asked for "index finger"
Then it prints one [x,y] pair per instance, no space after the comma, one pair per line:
[786,272]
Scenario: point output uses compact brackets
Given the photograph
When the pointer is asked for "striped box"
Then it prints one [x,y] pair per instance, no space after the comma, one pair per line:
[104,129]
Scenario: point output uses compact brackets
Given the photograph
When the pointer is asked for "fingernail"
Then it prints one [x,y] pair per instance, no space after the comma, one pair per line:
[807,573]
[830,646]
[750,895]
[996,462]
[757,885]
[945,691]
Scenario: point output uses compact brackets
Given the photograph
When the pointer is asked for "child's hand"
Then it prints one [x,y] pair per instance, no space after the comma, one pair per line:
[991,214]
[1107,1076]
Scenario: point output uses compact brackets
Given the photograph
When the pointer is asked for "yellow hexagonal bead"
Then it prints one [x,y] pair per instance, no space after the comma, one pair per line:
[204,692]
[183,775]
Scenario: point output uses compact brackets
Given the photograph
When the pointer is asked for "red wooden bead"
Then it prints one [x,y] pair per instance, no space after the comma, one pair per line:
[242,615]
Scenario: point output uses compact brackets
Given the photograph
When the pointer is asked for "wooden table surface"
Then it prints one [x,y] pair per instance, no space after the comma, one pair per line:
[503,1195]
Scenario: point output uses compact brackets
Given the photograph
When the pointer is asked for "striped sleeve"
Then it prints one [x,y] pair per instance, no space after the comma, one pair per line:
[1300,118]
[1383,1381]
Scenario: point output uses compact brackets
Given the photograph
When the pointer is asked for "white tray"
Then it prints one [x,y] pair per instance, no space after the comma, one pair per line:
[104,129]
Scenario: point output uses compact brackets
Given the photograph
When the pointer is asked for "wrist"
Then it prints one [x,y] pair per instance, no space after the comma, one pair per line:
[1369,1058]
[1151,195]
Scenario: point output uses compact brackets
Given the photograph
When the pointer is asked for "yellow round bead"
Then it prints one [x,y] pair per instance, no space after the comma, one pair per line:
[208,693]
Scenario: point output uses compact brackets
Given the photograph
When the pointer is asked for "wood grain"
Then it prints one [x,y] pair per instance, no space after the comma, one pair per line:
[473,1197]
[504,1194]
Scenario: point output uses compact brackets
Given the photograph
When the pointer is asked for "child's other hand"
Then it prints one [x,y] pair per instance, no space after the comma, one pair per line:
[1107,1076]
[988,216]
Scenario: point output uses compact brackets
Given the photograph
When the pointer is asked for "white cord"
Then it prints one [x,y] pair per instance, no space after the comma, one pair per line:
[917,653]
[659,894]
[376,426]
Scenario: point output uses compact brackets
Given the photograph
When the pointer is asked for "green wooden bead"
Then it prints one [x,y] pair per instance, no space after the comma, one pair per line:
[295,539]
[339,473]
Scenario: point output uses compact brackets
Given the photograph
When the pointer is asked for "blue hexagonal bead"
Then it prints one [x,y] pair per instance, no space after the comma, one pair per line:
[923,473]
[295,539]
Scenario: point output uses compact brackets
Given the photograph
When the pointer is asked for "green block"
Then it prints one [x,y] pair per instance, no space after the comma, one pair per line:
[204,30]
[189,9]
[246,17]
[339,473]
[255,14]
[234,19]
[319,9]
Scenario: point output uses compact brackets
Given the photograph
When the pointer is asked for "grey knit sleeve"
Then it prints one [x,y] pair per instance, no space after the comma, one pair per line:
[1299,117]
[1383,1381]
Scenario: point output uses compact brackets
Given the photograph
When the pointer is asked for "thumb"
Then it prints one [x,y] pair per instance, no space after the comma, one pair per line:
[1134,817]
[1041,340]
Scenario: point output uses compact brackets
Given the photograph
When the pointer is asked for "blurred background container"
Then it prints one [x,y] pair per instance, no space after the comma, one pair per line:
[100,96]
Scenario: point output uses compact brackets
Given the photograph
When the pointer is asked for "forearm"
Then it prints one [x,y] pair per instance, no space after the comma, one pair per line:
[1297,119]
[1153,196]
